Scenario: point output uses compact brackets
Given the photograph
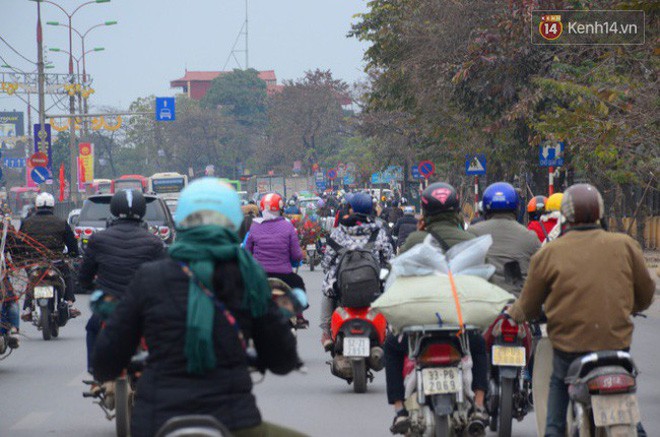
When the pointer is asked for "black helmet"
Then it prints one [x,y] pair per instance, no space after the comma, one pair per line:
[128,204]
[439,197]
[582,203]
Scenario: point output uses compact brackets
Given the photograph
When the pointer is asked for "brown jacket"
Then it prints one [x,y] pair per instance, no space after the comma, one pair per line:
[590,282]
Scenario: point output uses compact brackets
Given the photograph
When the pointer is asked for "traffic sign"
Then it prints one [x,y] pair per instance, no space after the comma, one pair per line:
[40,175]
[165,109]
[341,170]
[414,171]
[14,162]
[332,174]
[42,138]
[320,185]
[39,159]
[426,169]
[475,164]
[0,173]
[351,167]
[551,154]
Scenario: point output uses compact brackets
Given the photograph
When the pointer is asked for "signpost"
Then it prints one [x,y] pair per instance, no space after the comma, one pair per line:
[551,155]
[40,175]
[39,159]
[426,169]
[414,172]
[332,175]
[165,109]
[14,162]
[475,165]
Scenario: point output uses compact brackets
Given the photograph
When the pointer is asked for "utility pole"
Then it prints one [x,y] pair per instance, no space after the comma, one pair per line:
[40,71]
[247,65]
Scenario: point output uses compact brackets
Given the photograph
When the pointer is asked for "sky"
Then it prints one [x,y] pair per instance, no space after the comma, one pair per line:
[156,40]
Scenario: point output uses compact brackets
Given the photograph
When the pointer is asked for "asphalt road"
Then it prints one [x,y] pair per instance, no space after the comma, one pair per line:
[41,387]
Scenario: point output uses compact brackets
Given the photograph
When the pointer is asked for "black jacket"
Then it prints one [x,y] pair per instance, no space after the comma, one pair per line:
[114,255]
[405,226]
[154,307]
[51,231]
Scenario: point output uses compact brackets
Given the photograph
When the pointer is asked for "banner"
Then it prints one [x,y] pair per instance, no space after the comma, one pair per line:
[85,164]
[11,125]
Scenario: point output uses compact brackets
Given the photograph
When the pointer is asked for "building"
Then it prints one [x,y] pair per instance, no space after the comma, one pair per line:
[196,83]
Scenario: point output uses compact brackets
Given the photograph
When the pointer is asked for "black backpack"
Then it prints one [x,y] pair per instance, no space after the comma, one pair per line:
[358,274]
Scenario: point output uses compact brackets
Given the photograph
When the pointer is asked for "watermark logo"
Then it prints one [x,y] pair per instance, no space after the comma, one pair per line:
[571,27]
[550,27]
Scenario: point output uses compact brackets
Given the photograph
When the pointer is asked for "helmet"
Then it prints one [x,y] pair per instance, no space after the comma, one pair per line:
[500,196]
[404,201]
[44,200]
[537,205]
[320,203]
[209,195]
[582,203]
[439,197]
[361,203]
[271,202]
[554,202]
[128,204]
[291,202]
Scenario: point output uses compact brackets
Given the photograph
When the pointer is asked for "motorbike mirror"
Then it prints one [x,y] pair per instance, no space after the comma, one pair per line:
[383,274]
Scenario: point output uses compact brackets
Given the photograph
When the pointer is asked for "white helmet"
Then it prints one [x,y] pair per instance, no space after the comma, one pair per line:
[45,200]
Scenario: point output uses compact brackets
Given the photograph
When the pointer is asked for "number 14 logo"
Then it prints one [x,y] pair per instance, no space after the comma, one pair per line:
[550,27]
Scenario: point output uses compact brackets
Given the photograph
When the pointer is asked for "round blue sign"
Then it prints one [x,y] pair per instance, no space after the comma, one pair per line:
[426,168]
[40,175]
[332,174]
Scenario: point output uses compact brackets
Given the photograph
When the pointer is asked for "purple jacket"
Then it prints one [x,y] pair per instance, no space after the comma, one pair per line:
[274,244]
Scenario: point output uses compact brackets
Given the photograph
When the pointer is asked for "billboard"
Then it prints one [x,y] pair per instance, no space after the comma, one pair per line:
[11,125]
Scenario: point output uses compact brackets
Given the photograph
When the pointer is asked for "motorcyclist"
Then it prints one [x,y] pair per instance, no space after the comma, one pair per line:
[197,309]
[113,256]
[513,245]
[552,217]
[405,226]
[440,218]
[274,243]
[589,282]
[292,208]
[54,234]
[250,212]
[354,230]
[535,210]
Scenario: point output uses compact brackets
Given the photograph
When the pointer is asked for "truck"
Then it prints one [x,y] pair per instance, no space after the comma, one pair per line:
[286,186]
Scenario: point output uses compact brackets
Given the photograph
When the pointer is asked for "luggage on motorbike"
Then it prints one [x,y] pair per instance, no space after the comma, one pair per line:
[429,300]
[358,273]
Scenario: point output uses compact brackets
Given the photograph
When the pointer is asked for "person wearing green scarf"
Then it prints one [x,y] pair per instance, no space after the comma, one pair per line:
[195,310]
[200,248]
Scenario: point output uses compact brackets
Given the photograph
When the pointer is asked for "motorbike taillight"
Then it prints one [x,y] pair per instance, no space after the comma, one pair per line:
[164,232]
[78,231]
[611,384]
[439,354]
[508,330]
[87,232]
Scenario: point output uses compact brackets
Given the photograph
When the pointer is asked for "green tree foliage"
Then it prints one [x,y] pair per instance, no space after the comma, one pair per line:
[241,94]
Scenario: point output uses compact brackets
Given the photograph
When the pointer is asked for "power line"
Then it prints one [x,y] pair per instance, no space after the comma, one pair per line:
[16,70]
[16,51]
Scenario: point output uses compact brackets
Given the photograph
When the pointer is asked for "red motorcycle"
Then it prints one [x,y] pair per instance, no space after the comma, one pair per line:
[358,335]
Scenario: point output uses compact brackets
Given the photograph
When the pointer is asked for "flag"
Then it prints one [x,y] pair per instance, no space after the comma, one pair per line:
[62,182]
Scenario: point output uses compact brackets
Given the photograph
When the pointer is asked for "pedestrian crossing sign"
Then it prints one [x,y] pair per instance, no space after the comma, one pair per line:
[475,164]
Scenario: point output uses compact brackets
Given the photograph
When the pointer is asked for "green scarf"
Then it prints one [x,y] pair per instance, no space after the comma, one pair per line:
[201,248]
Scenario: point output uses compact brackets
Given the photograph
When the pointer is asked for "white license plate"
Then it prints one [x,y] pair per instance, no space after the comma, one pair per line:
[615,409]
[509,356]
[441,380]
[311,247]
[356,347]
[323,240]
[43,291]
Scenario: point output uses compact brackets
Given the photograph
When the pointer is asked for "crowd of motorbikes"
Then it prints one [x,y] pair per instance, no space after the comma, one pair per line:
[437,371]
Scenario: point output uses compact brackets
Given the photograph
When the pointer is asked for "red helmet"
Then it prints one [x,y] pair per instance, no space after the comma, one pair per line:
[537,205]
[271,202]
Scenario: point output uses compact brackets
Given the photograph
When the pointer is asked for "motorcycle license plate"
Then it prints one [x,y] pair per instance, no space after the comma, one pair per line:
[615,409]
[311,247]
[43,291]
[509,356]
[438,381]
[356,347]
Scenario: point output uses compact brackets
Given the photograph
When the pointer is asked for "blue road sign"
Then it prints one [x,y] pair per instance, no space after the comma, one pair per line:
[414,171]
[551,154]
[320,185]
[40,175]
[14,162]
[426,168]
[165,109]
[42,142]
[391,173]
[0,173]
[332,174]
[475,164]
[349,179]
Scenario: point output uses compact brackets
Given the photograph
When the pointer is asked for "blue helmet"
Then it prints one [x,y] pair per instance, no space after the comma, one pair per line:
[361,203]
[500,196]
[209,194]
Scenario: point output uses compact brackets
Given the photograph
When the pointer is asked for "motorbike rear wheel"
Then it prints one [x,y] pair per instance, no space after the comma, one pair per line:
[310,261]
[505,416]
[122,407]
[45,322]
[442,426]
[359,375]
[54,330]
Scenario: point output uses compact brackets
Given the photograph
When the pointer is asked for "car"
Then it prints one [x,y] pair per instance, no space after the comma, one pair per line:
[172,204]
[95,216]
[165,113]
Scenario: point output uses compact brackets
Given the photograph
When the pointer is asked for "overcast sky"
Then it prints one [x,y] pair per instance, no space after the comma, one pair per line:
[156,40]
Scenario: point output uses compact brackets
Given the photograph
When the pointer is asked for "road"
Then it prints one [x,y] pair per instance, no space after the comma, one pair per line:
[41,387]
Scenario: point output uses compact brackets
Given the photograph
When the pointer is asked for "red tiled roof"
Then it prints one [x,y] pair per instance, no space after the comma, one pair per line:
[207,76]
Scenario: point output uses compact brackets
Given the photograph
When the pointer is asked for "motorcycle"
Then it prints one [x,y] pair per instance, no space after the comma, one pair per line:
[315,253]
[50,310]
[193,425]
[358,335]
[116,397]
[509,391]
[601,388]
[438,380]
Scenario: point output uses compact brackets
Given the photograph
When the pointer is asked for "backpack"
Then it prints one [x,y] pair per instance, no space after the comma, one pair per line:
[358,274]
